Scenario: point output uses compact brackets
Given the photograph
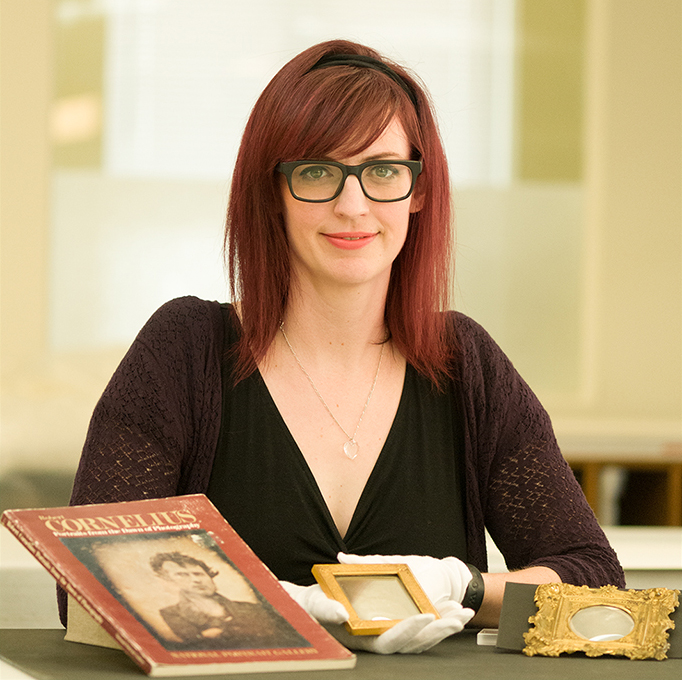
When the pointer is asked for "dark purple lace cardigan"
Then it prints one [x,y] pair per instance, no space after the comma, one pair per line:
[155,429]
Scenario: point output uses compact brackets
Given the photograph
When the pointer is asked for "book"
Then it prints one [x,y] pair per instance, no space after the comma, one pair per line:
[170,582]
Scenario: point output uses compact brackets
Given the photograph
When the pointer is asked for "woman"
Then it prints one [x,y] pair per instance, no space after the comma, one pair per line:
[335,411]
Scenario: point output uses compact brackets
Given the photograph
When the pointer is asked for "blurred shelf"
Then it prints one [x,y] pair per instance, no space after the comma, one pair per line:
[630,487]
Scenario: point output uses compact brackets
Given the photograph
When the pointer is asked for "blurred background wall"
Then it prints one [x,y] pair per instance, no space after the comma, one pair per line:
[562,119]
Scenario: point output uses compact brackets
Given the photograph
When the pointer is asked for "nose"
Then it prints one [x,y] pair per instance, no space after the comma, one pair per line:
[351,202]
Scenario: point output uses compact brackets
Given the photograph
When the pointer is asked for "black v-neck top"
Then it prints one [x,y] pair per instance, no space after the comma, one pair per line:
[412,503]
[155,430]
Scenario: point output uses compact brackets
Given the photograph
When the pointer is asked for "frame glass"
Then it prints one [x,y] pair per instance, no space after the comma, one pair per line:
[287,168]
[376,596]
[598,621]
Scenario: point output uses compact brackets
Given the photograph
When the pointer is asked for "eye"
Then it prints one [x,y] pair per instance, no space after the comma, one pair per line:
[384,172]
[314,173]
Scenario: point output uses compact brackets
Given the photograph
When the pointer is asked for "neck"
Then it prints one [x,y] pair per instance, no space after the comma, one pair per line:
[344,324]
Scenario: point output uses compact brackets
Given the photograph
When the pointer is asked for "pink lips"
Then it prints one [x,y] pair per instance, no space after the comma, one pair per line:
[352,240]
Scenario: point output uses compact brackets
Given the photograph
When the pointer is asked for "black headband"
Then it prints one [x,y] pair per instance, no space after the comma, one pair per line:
[362,61]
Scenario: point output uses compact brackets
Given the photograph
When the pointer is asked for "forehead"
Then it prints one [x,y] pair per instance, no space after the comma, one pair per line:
[392,142]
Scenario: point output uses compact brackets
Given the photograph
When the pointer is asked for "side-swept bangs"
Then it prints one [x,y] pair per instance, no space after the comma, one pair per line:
[342,111]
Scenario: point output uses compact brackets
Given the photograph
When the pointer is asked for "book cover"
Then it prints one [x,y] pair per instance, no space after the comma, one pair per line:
[173,584]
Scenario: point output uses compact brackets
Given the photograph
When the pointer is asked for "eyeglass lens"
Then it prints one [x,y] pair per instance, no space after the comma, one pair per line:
[381,181]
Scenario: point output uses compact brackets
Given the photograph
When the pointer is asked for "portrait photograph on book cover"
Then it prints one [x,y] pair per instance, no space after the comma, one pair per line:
[186,592]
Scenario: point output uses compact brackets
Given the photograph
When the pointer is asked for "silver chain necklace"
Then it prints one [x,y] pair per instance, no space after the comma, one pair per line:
[351,447]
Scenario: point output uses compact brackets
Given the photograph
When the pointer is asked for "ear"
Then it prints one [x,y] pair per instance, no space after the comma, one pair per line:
[417,199]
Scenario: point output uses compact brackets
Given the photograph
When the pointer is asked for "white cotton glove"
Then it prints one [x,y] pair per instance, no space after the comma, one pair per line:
[443,580]
[411,636]
[316,603]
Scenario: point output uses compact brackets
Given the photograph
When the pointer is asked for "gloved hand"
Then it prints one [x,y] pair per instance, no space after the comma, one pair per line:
[443,580]
[411,636]
[316,603]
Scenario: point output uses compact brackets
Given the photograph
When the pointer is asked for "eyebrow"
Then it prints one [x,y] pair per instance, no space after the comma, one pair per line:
[384,156]
[387,155]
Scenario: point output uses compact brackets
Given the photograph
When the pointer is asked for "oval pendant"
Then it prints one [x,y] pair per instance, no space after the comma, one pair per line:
[350,448]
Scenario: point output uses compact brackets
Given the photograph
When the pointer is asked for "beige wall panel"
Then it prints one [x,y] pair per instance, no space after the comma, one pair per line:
[634,214]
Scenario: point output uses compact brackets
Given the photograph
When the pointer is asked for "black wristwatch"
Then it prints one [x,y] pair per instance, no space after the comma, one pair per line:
[473,596]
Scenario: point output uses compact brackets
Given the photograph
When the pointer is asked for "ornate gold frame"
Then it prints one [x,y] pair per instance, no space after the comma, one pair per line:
[327,574]
[558,602]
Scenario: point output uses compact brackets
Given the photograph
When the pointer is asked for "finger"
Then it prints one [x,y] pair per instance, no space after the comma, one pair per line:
[324,609]
[431,635]
[454,609]
[316,603]
[397,637]
[345,558]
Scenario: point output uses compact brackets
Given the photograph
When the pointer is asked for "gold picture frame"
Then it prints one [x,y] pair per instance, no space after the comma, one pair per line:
[598,621]
[376,596]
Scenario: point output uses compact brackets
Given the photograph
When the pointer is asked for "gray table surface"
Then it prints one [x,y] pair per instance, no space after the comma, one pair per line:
[45,655]
[32,640]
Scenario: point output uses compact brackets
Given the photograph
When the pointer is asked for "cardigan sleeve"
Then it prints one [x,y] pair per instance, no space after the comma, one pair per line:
[524,490]
[154,430]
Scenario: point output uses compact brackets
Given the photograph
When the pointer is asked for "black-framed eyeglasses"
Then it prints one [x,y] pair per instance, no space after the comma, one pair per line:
[320,181]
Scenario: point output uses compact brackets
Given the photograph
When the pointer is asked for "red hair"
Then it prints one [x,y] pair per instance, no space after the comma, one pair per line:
[314,114]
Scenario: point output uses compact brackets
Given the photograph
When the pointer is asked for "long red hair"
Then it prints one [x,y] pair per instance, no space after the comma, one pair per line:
[338,110]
